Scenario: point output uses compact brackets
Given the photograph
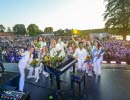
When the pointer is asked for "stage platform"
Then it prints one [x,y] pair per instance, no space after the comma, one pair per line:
[114,84]
[9,81]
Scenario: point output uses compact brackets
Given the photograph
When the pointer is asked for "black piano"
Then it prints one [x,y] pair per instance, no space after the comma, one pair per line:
[59,69]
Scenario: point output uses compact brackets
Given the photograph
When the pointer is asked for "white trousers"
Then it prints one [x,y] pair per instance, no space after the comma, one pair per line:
[22,68]
[81,65]
[97,65]
[38,70]
[94,64]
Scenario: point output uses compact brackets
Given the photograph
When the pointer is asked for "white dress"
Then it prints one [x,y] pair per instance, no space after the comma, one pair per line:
[53,52]
[38,69]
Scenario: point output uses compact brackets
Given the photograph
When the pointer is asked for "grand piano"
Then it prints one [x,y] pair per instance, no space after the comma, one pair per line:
[59,69]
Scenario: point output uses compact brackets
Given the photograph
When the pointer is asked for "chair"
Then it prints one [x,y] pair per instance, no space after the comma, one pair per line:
[78,77]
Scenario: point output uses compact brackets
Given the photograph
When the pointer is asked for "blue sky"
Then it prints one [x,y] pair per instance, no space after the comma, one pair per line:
[76,14]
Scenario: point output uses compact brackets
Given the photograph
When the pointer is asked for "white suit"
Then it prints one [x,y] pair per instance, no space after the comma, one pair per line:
[60,46]
[24,63]
[81,56]
[97,61]
[94,53]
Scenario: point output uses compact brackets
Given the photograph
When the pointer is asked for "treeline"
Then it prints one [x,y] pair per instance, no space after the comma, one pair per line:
[33,30]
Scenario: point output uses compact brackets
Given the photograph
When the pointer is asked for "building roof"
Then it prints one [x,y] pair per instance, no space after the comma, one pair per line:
[5,34]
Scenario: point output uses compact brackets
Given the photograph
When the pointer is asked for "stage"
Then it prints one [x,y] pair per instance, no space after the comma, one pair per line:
[114,84]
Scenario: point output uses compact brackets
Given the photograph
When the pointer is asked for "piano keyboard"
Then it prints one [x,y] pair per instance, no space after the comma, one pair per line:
[67,66]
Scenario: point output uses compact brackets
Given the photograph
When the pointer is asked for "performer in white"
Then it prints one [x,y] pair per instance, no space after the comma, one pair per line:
[71,50]
[80,54]
[39,68]
[60,47]
[53,50]
[98,57]
[24,63]
[90,62]
[41,41]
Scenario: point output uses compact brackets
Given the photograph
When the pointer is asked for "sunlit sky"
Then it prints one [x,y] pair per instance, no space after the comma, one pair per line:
[59,14]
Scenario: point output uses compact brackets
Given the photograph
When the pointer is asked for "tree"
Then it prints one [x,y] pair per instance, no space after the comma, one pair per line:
[68,32]
[59,32]
[2,28]
[117,16]
[9,29]
[48,30]
[19,29]
[33,29]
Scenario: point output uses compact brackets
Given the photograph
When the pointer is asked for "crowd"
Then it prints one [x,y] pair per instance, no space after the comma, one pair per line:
[116,50]
[9,47]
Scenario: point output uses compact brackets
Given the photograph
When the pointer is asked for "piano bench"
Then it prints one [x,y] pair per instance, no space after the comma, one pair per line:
[78,77]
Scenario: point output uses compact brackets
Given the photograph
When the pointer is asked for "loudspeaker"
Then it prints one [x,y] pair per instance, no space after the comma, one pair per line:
[11,67]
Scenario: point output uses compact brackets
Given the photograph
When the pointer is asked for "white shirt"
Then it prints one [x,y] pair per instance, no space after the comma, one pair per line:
[80,54]
[60,46]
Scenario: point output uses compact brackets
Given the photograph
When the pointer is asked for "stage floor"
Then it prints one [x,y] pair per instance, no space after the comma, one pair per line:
[114,84]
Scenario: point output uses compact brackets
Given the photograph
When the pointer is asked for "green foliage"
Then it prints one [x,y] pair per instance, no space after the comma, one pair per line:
[68,32]
[33,30]
[19,29]
[2,28]
[9,29]
[48,30]
[59,32]
[117,16]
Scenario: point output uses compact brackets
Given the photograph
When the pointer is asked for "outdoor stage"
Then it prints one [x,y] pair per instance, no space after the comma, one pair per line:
[114,84]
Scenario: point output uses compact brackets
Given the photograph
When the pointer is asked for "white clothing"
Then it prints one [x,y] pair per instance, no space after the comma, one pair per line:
[38,69]
[3,52]
[24,63]
[53,52]
[98,66]
[60,46]
[94,51]
[70,50]
[42,44]
[97,61]
[81,56]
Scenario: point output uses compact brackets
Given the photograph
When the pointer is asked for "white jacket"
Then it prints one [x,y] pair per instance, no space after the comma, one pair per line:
[80,54]
[25,58]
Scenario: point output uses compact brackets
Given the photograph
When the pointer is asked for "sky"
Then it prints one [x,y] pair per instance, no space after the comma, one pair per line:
[59,14]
